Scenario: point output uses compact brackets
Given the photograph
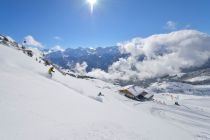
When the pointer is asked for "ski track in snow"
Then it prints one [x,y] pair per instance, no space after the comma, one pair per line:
[107,130]
[71,88]
[96,98]
[186,117]
[193,115]
[64,84]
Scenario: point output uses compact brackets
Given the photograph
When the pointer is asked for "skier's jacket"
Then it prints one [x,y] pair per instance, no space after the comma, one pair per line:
[51,70]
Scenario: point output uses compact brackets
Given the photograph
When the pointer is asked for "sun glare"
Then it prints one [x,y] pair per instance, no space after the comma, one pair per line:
[91,3]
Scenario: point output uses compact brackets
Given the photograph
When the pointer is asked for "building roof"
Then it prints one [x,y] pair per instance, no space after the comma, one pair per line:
[135,90]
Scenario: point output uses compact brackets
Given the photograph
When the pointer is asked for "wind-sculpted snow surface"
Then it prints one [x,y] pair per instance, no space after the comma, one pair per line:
[35,107]
[159,55]
[193,115]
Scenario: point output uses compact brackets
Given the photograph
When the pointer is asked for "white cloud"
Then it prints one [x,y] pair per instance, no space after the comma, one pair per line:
[171,25]
[163,54]
[81,68]
[30,41]
[56,48]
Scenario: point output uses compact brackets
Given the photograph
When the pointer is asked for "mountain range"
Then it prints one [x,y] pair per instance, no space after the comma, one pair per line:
[99,57]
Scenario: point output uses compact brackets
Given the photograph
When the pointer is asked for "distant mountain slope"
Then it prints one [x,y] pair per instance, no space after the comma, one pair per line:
[95,58]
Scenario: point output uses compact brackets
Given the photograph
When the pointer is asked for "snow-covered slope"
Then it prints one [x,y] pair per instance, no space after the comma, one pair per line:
[35,107]
[201,78]
[178,87]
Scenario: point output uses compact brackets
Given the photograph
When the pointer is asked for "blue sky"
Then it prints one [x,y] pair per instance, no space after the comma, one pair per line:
[111,22]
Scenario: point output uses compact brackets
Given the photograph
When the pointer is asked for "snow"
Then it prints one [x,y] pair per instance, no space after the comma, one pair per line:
[10,39]
[176,87]
[179,75]
[36,52]
[94,49]
[56,48]
[35,107]
[135,90]
[199,78]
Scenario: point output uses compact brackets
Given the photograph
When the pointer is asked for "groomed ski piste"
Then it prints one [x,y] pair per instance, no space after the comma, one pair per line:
[35,107]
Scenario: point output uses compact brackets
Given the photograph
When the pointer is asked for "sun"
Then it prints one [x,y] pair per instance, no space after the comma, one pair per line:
[91,3]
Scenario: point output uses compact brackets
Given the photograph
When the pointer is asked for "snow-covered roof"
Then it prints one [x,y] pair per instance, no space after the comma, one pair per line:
[135,90]
[128,86]
[148,95]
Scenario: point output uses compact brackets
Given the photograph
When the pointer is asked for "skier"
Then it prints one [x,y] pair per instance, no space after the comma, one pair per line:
[51,69]
[100,94]
[176,102]
[99,97]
